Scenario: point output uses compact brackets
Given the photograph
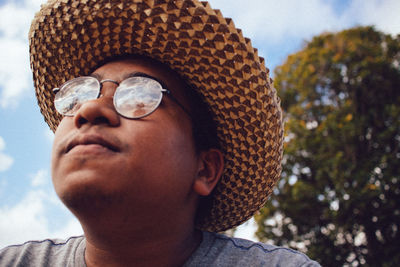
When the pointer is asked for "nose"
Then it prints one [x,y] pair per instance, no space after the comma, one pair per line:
[99,111]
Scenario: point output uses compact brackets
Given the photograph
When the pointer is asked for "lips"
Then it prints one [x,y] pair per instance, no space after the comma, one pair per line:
[92,140]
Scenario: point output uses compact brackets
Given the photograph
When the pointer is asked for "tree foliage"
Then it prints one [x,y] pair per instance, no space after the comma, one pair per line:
[339,196]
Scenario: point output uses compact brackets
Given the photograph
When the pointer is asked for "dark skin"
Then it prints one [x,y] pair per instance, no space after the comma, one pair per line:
[134,185]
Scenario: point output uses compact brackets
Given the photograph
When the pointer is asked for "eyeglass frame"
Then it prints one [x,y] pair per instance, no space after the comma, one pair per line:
[138,74]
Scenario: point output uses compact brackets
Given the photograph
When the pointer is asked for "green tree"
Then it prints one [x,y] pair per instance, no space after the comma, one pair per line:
[339,196]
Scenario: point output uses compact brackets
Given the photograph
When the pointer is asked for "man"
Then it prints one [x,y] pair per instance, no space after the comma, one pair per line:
[167,130]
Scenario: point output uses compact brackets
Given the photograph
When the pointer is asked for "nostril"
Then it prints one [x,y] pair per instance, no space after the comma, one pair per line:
[97,111]
[101,120]
[82,120]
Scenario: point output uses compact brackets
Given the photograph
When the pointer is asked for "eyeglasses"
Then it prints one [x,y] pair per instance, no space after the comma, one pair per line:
[134,98]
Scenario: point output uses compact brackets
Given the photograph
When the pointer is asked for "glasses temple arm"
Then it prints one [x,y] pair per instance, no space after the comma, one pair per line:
[168,92]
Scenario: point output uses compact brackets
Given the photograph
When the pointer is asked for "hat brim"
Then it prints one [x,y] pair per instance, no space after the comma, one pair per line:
[69,38]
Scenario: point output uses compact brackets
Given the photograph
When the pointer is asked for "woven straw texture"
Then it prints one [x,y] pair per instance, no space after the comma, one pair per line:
[68,38]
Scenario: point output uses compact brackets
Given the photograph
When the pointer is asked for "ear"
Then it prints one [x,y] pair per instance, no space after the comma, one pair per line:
[211,166]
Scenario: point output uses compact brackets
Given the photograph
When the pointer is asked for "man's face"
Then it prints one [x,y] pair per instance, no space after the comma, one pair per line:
[101,160]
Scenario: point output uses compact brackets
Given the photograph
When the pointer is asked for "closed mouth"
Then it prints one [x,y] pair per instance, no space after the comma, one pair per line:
[91,140]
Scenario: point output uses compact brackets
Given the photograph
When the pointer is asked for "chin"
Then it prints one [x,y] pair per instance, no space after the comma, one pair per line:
[88,199]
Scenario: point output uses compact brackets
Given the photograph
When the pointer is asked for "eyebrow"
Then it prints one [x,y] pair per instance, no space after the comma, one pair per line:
[142,74]
[132,74]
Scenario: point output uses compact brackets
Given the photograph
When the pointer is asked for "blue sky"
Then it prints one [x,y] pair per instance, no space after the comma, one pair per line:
[29,209]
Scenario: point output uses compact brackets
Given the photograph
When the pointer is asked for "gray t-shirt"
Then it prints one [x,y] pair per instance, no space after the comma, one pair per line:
[215,250]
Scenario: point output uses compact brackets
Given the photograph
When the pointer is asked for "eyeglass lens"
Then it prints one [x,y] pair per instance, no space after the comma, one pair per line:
[135,97]
[74,93]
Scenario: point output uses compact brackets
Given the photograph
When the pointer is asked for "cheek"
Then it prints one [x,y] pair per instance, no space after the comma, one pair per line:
[175,142]
[165,152]
[164,160]
[57,169]
[59,139]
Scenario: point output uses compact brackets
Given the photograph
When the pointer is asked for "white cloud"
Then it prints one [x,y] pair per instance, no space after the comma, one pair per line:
[382,13]
[276,21]
[71,228]
[2,143]
[15,18]
[280,21]
[247,230]
[49,135]
[15,75]
[38,215]
[27,214]
[14,21]
[27,220]
[40,178]
[14,71]
[5,160]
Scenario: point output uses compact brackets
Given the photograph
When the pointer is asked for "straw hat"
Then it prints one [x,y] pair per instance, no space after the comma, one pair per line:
[68,38]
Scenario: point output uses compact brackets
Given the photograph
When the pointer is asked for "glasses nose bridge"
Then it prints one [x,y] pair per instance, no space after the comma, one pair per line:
[104,81]
[99,110]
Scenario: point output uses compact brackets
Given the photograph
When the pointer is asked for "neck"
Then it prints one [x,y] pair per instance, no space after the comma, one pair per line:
[140,242]
[165,251]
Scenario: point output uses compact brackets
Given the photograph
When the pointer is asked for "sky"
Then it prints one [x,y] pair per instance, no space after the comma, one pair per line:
[29,208]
